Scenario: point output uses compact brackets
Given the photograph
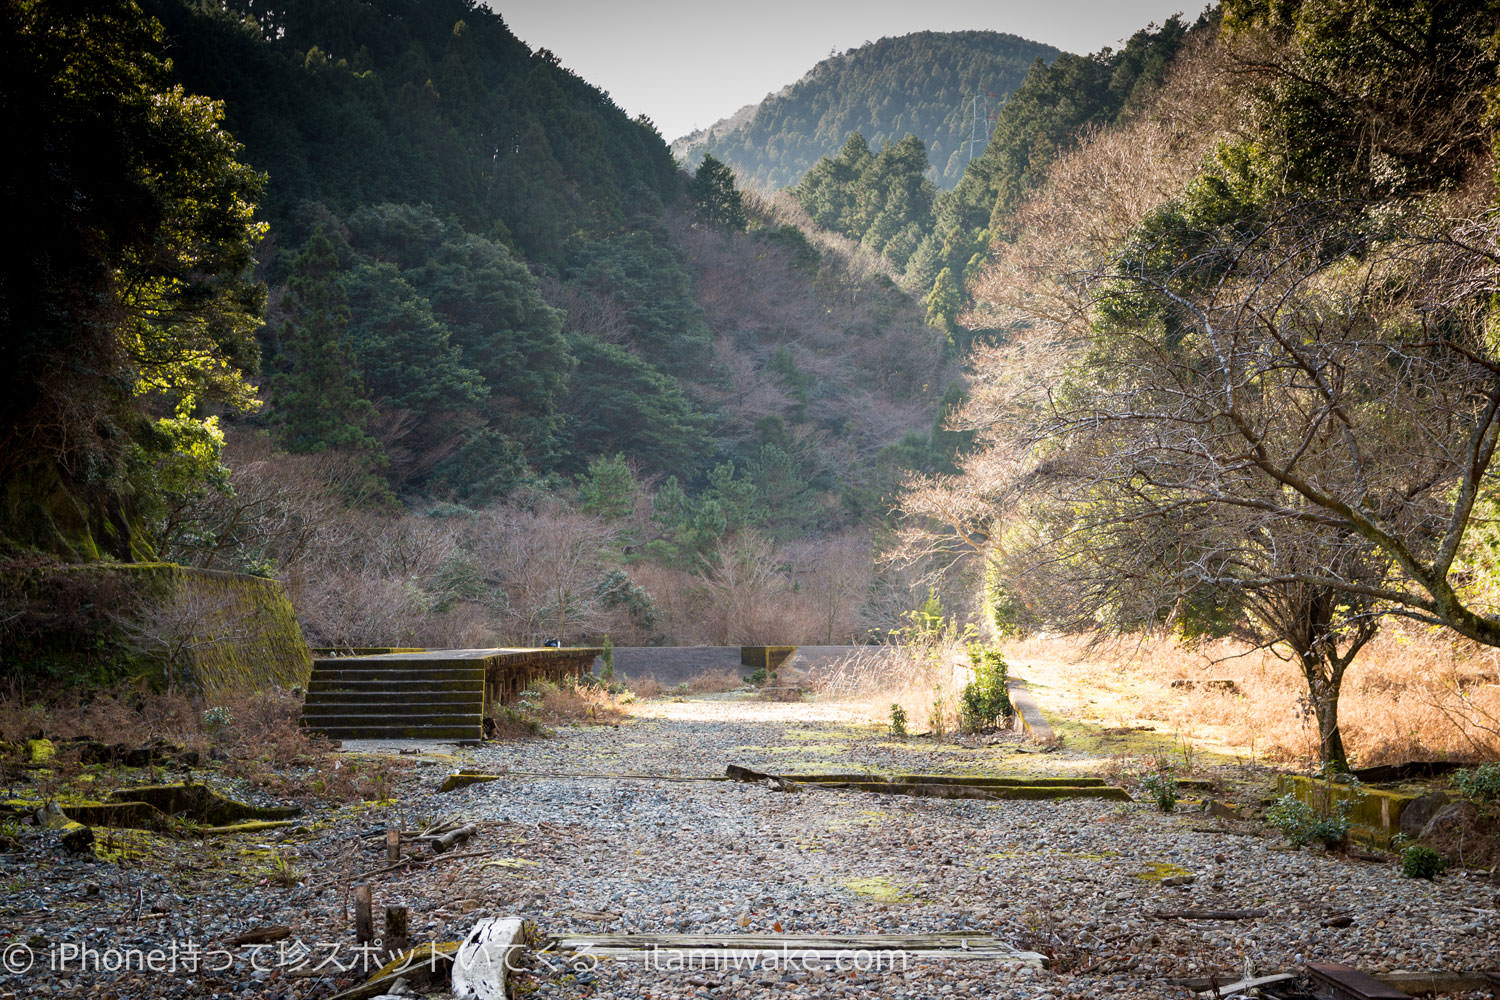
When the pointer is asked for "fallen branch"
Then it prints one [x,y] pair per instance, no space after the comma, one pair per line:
[261,935]
[1209,914]
[444,843]
[420,860]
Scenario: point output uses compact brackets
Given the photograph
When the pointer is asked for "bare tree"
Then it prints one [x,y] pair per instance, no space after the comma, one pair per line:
[544,569]
[174,630]
[833,579]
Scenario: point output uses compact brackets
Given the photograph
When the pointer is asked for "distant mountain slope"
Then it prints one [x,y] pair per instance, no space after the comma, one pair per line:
[922,84]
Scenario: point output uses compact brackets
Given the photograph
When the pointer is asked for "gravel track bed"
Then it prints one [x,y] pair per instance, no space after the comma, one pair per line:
[1078,880]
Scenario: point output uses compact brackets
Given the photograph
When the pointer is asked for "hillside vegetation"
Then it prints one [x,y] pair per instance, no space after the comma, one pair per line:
[1240,378]
[941,87]
[877,192]
[442,278]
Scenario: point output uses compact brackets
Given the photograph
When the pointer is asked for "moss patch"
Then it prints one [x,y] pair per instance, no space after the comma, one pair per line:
[881,889]
[1159,871]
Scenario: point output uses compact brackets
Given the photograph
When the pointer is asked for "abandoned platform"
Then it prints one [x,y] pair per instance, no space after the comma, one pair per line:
[428,694]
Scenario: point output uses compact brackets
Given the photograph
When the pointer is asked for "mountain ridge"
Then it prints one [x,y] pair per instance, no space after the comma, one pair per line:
[921,84]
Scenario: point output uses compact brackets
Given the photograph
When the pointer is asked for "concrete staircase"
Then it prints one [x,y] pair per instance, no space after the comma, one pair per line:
[399,696]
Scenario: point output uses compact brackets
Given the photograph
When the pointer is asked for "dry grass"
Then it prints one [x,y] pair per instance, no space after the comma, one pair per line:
[924,681]
[715,682]
[257,735]
[1411,695]
[576,704]
[647,687]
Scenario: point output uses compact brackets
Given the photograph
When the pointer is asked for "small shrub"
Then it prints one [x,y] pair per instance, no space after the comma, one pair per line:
[714,682]
[217,719]
[898,722]
[1418,861]
[607,654]
[1482,783]
[1304,825]
[937,717]
[985,698]
[647,687]
[1162,786]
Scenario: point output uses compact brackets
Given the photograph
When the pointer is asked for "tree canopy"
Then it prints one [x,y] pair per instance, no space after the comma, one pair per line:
[127,294]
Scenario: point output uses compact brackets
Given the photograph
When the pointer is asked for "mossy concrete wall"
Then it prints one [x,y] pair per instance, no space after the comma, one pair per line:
[234,632]
[767,658]
[250,638]
[1374,814]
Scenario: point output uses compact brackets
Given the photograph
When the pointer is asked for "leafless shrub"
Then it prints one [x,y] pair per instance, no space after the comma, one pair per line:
[171,631]
[544,568]
[646,686]
[714,682]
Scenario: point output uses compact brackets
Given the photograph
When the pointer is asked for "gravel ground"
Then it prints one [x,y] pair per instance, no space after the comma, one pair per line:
[566,842]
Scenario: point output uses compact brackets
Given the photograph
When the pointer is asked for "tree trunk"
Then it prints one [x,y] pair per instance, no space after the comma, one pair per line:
[1325,702]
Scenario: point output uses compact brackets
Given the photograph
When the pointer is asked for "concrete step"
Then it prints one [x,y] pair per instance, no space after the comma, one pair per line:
[339,720]
[399,673]
[389,718]
[427,698]
[332,714]
[397,698]
[396,684]
[398,732]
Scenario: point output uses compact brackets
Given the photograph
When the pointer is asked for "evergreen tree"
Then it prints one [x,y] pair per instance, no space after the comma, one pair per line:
[944,301]
[320,398]
[609,489]
[411,371]
[716,200]
[127,294]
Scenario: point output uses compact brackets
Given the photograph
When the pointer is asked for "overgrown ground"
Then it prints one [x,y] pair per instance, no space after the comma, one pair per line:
[1409,696]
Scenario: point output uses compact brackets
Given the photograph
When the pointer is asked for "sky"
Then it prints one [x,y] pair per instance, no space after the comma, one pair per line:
[688,63]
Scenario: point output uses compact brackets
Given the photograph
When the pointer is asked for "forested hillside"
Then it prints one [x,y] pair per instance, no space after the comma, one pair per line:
[932,85]
[1242,377]
[877,193]
[476,287]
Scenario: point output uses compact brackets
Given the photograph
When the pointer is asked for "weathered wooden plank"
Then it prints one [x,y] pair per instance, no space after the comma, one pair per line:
[484,960]
[706,950]
[1351,984]
[1423,983]
[749,957]
[1244,984]
[937,785]
[776,940]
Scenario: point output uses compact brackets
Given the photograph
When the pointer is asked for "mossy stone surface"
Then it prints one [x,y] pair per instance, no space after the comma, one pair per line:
[1374,813]
[201,804]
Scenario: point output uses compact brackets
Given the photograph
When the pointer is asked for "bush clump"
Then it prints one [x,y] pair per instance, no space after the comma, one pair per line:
[1482,783]
[898,721]
[1162,786]
[1418,861]
[1302,824]
[985,698]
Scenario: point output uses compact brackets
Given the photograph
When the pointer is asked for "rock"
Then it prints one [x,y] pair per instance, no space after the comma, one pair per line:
[78,839]
[1447,818]
[1223,810]
[1420,811]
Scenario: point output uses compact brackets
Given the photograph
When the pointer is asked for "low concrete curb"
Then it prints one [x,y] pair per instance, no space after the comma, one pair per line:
[1028,713]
